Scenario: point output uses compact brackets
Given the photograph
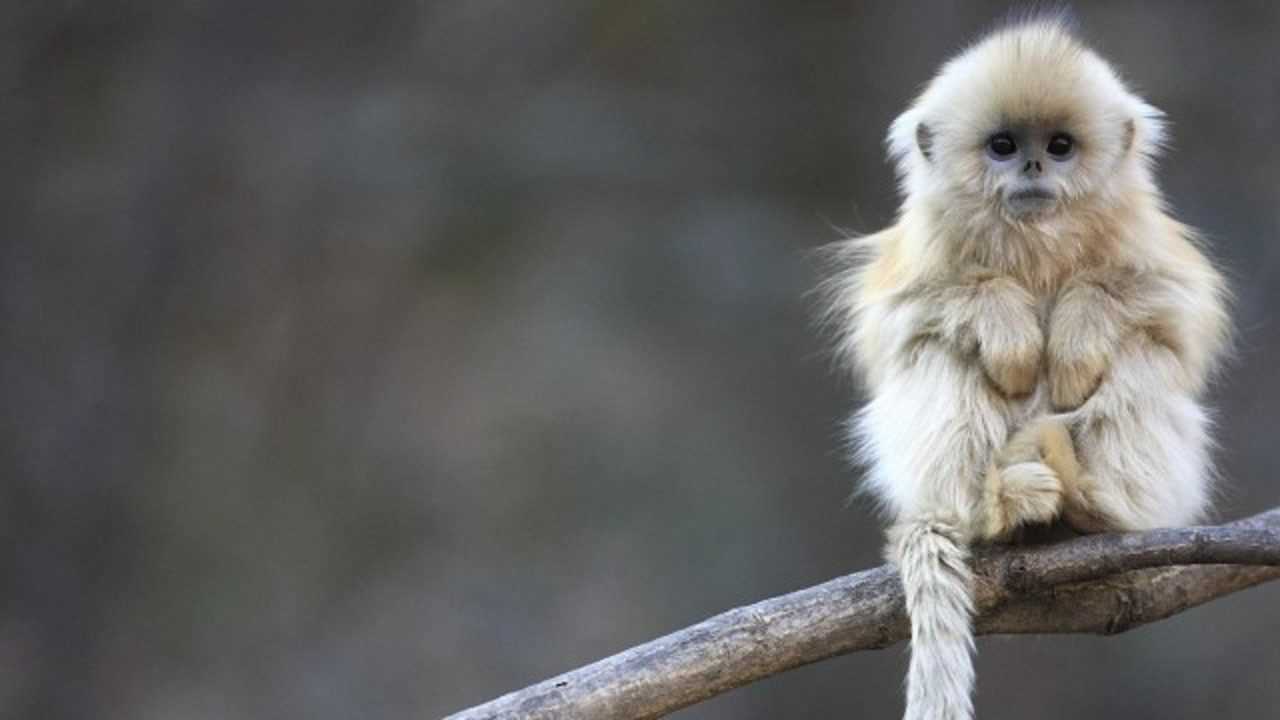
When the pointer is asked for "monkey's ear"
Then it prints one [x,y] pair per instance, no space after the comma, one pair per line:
[924,139]
[1130,130]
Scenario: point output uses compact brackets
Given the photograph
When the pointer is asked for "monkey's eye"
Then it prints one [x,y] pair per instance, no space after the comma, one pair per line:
[1060,145]
[1002,145]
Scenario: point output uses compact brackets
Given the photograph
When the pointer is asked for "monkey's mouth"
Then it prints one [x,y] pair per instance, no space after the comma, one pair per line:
[1030,200]
[1035,193]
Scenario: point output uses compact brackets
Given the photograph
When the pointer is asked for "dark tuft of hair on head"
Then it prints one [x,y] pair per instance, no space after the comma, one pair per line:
[1039,13]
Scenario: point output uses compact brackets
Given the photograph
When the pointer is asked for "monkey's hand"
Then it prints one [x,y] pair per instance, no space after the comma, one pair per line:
[1085,327]
[990,319]
[1007,333]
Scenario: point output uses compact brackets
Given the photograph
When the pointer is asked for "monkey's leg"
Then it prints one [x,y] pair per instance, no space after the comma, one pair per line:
[1026,480]
[1143,445]
[930,435]
[930,432]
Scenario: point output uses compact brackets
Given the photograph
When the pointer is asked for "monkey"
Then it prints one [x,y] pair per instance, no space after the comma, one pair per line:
[1035,332]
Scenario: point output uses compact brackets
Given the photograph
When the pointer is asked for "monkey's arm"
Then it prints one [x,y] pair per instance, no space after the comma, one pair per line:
[1096,311]
[1092,313]
[1132,350]
[992,319]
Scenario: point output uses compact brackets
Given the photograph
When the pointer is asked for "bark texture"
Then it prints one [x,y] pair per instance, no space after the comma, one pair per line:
[1102,584]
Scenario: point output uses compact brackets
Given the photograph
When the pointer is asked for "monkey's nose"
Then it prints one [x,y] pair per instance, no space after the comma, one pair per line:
[1032,168]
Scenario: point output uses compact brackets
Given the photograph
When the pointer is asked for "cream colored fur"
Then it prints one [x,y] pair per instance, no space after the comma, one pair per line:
[1023,368]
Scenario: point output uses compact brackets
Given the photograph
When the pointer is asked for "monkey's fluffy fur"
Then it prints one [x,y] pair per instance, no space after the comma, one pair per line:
[1023,366]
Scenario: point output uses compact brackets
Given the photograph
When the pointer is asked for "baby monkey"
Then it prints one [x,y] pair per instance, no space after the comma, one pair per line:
[1034,331]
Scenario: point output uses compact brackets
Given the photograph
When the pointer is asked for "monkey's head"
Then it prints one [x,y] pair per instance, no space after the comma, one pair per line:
[1025,125]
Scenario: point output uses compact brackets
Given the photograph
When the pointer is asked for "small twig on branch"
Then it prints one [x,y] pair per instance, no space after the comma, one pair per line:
[1099,584]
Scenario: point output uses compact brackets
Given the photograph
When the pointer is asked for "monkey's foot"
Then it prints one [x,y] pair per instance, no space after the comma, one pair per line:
[1081,508]
[1024,493]
[1056,449]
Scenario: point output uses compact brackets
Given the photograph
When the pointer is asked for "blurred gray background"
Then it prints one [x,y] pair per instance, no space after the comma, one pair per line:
[372,360]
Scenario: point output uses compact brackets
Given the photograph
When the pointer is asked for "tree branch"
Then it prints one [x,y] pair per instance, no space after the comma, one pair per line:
[1102,584]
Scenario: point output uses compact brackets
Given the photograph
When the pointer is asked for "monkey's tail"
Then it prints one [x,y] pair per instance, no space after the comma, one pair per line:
[933,558]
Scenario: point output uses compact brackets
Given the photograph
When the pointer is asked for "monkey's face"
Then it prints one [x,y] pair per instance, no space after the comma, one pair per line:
[1031,168]
[1029,127]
